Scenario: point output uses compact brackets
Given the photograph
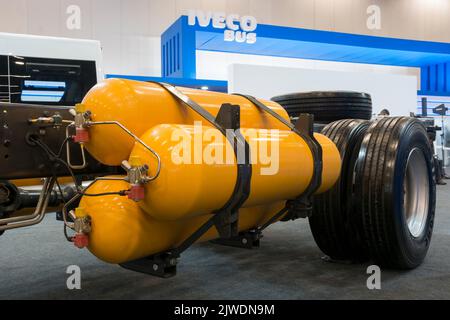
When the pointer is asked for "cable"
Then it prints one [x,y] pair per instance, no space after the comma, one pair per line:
[66,234]
[53,157]
[57,157]
[66,140]
[119,193]
[64,202]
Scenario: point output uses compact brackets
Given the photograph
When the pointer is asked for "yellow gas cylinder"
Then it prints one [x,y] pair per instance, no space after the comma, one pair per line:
[183,197]
[204,177]
[122,231]
[186,193]
[140,105]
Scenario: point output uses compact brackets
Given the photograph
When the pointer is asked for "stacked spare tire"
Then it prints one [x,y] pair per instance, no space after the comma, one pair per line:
[327,106]
[382,207]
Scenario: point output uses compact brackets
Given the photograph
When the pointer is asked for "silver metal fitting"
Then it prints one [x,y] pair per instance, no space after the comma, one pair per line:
[82,225]
[54,121]
[136,174]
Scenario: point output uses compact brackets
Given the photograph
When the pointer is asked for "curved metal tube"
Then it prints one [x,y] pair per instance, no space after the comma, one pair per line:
[158,169]
[35,213]
[39,213]
[73,166]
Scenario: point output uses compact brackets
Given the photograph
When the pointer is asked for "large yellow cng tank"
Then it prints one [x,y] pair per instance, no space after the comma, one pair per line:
[207,186]
[140,105]
[122,232]
[187,191]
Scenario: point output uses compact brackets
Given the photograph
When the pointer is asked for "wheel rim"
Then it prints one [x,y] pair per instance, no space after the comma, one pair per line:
[416,192]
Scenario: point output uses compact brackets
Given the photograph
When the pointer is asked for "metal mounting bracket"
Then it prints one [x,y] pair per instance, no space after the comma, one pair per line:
[246,240]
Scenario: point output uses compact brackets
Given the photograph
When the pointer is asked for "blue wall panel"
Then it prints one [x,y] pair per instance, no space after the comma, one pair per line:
[447,77]
[178,51]
[441,75]
[425,78]
[435,79]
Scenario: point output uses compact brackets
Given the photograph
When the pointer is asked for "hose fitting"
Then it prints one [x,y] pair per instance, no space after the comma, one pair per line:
[137,176]
[82,118]
[82,227]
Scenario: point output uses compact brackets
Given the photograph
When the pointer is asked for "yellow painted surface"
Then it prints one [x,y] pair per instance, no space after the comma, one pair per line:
[182,199]
[203,186]
[140,106]
[186,193]
[200,187]
[331,160]
[122,231]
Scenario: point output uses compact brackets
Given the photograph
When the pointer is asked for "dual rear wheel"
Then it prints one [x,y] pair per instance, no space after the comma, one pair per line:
[382,207]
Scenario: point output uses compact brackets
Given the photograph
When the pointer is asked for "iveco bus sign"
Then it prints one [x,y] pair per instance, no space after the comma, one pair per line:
[236,28]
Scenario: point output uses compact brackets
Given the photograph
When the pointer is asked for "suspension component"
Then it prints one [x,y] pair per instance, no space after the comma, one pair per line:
[13,198]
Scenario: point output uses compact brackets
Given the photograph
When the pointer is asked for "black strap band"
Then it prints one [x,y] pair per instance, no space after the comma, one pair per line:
[305,131]
[191,104]
[228,123]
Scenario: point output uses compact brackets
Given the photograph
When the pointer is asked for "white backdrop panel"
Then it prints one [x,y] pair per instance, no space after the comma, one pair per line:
[398,93]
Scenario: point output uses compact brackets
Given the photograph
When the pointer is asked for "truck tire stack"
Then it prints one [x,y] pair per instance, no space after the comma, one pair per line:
[327,106]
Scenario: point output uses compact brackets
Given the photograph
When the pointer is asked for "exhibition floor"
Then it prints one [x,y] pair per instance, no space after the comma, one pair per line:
[288,265]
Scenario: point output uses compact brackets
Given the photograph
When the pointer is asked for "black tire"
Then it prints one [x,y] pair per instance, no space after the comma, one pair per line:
[394,153]
[334,232]
[328,106]
[318,127]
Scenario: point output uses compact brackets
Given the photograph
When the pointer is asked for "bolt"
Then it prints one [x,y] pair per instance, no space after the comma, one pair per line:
[155,267]
[173,261]
[244,241]
[7,143]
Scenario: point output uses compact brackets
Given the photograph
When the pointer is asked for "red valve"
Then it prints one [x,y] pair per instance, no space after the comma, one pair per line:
[80,240]
[136,192]
[81,136]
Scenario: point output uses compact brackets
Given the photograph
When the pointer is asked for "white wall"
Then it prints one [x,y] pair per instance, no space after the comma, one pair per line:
[215,65]
[129,30]
[398,93]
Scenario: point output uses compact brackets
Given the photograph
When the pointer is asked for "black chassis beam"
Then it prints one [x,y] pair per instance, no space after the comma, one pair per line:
[21,159]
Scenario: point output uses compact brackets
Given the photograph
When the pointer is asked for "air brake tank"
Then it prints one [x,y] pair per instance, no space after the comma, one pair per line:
[185,194]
